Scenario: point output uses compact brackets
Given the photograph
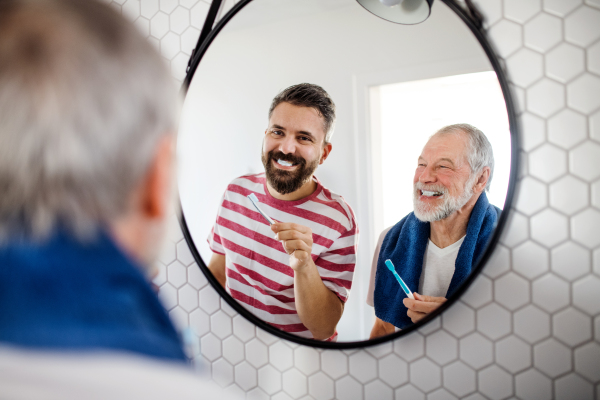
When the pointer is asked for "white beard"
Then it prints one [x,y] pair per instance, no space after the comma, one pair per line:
[450,204]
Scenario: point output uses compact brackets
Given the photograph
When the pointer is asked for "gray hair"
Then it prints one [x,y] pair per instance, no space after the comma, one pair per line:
[84,101]
[313,96]
[480,150]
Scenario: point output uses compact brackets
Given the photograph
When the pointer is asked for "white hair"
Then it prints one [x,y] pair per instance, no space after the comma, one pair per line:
[481,154]
[84,101]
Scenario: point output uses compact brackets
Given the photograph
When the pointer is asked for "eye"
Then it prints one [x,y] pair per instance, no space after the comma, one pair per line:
[277,132]
[305,138]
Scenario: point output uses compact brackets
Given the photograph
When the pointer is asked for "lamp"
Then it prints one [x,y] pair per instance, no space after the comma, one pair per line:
[406,12]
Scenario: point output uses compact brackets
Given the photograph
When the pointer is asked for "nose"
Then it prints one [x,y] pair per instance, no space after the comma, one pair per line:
[426,174]
[287,145]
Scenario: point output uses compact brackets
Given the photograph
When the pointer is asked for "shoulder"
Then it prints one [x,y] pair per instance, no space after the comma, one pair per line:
[253,182]
[338,203]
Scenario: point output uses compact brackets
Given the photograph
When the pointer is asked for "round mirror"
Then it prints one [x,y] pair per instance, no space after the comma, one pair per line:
[393,86]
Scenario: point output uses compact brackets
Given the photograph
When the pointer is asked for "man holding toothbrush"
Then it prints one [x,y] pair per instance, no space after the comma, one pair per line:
[435,247]
[296,273]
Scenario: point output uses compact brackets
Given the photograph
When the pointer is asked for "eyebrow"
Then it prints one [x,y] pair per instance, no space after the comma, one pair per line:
[301,132]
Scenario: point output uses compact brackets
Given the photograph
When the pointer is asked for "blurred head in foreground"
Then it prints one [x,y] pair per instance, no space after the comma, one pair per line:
[87,116]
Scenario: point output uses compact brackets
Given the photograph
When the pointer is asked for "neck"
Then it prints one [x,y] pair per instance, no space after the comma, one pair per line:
[451,229]
[305,190]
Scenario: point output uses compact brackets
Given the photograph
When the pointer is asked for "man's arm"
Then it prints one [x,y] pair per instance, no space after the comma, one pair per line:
[381,328]
[421,306]
[217,267]
[318,307]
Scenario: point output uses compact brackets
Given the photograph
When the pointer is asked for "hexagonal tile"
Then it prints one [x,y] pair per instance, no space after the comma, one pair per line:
[257,353]
[572,327]
[595,126]
[492,9]
[550,293]
[184,255]
[393,370]
[526,67]
[189,38]
[363,367]
[209,300]
[198,14]
[179,66]
[532,324]
[552,358]
[583,161]
[531,196]
[234,391]
[188,298]
[179,20]
[176,274]
[233,350]
[294,383]
[334,363]
[499,262]
[570,261]
[476,350]
[281,356]
[306,359]
[531,385]
[521,11]
[222,373]
[507,37]
[210,347]
[587,361]
[199,322]
[441,394]
[378,390]
[243,329]
[321,387]
[581,27]
[495,383]
[169,45]
[513,354]
[168,5]
[543,32]
[561,7]
[593,58]
[266,337]
[530,260]
[493,321]
[409,392]
[567,129]
[511,291]
[534,131]
[479,293]
[381,350]
[245,376]
[547,162]
[410,347]
[167,253]
[269,379]
[596,265]
[585,228]
[195,277]
[585,294]
[131,9]
[168,296]
[459,320]
[220,324]
[549,228]
[159,25]
[441,347]
[573,386]
[425,375]
[149,8]
[459,379]
[179,317]
[545,97]
[569,195]
[258,394]
[348,388]
[583,93]
[562,71]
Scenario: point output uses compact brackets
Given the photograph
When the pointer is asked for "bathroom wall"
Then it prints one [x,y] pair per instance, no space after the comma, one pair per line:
[529,327]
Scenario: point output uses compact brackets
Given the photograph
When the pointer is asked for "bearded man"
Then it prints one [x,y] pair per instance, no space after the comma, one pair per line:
[435,247]
[295,274]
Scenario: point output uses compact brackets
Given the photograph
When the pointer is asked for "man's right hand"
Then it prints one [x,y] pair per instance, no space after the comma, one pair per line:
[217,267]
[381,328]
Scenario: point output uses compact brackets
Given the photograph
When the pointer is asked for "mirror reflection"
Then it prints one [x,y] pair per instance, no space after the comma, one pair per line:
[331,120]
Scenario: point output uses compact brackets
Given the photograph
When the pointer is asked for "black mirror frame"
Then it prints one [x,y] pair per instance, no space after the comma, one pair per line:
[472,18]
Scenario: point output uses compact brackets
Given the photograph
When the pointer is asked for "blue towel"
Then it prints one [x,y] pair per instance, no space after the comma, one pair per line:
[63,295]
[405,245]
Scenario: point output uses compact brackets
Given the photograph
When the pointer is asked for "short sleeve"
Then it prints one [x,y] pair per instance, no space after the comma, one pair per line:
[214,239]
[371,291]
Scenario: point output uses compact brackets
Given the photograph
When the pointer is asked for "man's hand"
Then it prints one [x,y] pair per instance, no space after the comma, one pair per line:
[297,241]
[421,306]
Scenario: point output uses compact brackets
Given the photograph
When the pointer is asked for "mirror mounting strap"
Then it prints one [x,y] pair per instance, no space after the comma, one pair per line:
[474,14]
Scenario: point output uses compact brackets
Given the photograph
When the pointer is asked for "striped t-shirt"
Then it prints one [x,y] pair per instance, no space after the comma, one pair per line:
[257,266]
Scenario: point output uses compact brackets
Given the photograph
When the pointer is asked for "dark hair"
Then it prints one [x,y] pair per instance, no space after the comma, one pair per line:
[313,96]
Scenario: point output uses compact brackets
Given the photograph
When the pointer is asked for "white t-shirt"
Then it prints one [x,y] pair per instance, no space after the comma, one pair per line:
[437,272]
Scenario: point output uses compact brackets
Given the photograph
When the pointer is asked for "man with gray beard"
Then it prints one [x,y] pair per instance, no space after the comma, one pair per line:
[434,248]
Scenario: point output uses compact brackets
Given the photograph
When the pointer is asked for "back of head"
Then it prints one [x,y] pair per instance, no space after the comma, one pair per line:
[480,152]
[84,99]
[313,96]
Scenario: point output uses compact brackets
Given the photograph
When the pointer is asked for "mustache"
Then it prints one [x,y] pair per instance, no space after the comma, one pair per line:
[431,188]
[278,155]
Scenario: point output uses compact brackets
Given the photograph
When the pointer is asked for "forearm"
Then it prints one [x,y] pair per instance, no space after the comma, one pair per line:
[318,307]
[381,328]
[217,267]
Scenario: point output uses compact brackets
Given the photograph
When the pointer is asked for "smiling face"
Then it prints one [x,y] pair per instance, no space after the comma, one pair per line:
[443,183]
[293,147]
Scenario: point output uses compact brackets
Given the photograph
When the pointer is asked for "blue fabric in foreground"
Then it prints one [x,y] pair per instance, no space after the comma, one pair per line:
[65,295]
[405,245]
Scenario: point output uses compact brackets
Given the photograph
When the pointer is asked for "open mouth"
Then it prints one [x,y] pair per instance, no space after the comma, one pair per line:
[285,163]
[428,193]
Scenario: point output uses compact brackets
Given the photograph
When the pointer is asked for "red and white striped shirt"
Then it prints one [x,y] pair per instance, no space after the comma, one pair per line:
[257,267]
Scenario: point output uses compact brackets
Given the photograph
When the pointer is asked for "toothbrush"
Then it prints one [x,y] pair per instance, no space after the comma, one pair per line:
[254,201]
[390,266]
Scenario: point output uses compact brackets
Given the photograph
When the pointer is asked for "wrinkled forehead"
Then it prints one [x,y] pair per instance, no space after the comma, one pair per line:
[447,145]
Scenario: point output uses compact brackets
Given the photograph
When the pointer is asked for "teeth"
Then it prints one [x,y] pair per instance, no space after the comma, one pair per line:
[428,193]
[284,163]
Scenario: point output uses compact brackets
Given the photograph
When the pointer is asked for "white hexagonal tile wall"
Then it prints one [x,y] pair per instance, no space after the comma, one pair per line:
[269,379]
[159,25]
[233,350]
[393,370]
[531,385]
[294,383]
[549,228]
[459,320]
[545,97]
[321,387]
[257,353]
[552,357]
[198,14]
[459,378]
[586,294]
[528,66]
[495,383]
[572,327]
[425,375]
[348,388]
[245,376]
[511,291]
[587,361]
[513,354]
[334,363]
[281,356]
[168,296]
[188,298]
[306,359]
[148,8]
[567,129]
[479,293]
[222,373]
[476,350]
[521,10]
[363,367]
[531,324]
[570,261]
[550,293]
[581,27]
[585,228]
[177,274]
[572,386]
[569,195]
[179,20]
[530,260]
[534,131]
[558,69]
[209,300]
[410,347]
[532,196]
[593,58]
[583,93]
[441,347]
[507,37]
[378,390]
[542,32]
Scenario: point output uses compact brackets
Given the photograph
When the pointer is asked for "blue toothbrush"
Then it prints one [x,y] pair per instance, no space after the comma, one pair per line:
[390,266]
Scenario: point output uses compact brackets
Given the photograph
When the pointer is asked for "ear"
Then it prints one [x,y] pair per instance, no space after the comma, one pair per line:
[482,181]
[156,191]
[326,150]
